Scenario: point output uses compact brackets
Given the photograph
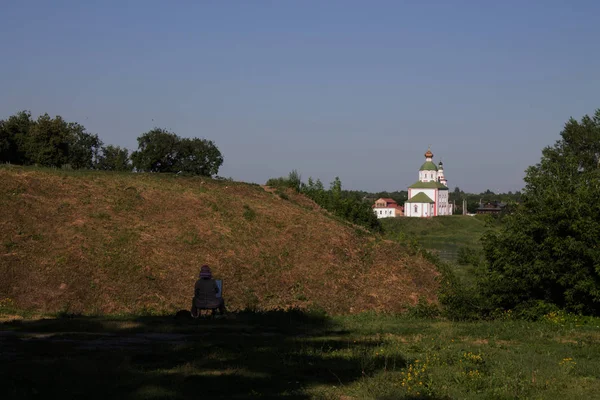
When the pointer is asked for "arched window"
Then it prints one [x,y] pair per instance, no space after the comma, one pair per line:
[416,208]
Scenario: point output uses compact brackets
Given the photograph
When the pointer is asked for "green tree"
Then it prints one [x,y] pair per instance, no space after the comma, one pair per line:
[335,188]
[157,151]
[84,148]
[114,158]
[198,157]
[5,142]
[295,180]
[548,249]
[316,191]
[163,151]
[47,142]
[350,208]
[13,132]
[457,194]
[319,185]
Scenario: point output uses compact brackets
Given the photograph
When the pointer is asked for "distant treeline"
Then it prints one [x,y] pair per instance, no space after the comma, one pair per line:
[457,196]
[356,205]
[475,199]
[54,142]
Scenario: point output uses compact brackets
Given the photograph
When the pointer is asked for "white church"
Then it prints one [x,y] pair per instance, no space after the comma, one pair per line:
[428,197]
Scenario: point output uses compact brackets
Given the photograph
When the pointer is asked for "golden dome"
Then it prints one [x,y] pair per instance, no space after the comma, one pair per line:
[429,154]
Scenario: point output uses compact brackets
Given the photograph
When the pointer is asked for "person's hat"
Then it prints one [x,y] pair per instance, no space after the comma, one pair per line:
[205,272]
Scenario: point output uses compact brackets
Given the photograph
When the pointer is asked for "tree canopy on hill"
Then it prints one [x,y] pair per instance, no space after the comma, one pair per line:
[549,249]
[54,142]
[162,151]
[457,196]
[50,142]
[114,158]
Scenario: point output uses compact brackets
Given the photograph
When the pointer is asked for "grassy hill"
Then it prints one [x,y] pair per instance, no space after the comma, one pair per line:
[98,242]
[442,235]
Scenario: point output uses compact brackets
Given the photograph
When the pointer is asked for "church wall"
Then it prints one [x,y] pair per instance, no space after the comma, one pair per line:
[422,210]
[443,203]
[384,212]
[429,192]
[426,176]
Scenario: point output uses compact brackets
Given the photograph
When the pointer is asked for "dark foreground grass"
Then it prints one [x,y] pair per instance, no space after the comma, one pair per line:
[294,355]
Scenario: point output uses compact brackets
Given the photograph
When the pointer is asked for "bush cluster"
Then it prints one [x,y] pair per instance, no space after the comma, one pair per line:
[333,200]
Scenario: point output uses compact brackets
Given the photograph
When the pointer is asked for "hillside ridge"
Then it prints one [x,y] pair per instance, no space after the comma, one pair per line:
[100,242]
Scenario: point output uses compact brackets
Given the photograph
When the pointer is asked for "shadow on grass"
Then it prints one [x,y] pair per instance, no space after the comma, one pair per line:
[267,355]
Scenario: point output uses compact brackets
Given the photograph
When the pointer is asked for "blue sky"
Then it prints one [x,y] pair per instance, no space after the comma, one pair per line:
[329,88]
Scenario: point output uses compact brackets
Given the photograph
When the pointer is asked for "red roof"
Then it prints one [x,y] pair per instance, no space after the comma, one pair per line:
[389,203]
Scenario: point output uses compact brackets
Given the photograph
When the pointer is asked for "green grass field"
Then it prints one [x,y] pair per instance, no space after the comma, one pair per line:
[443,236]
[293,355]
[440,233]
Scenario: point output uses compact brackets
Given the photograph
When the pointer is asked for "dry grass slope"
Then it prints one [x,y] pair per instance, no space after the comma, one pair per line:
[123,243]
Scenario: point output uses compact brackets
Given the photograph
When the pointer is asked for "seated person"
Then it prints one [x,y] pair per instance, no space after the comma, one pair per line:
[205,293]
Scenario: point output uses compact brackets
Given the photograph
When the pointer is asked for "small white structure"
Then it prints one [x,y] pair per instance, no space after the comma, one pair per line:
[387,208]
[428,197]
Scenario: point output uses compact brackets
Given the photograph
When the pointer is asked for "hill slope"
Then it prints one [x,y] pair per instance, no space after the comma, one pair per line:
[104,242]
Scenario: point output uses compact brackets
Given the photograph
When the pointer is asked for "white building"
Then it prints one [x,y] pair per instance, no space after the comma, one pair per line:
[387,208]
[428,197]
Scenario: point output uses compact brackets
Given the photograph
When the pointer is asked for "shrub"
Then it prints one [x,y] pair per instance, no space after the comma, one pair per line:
[461,302]
[424,309]
[534,310]
[468,256]
[249,214]
[282,194]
